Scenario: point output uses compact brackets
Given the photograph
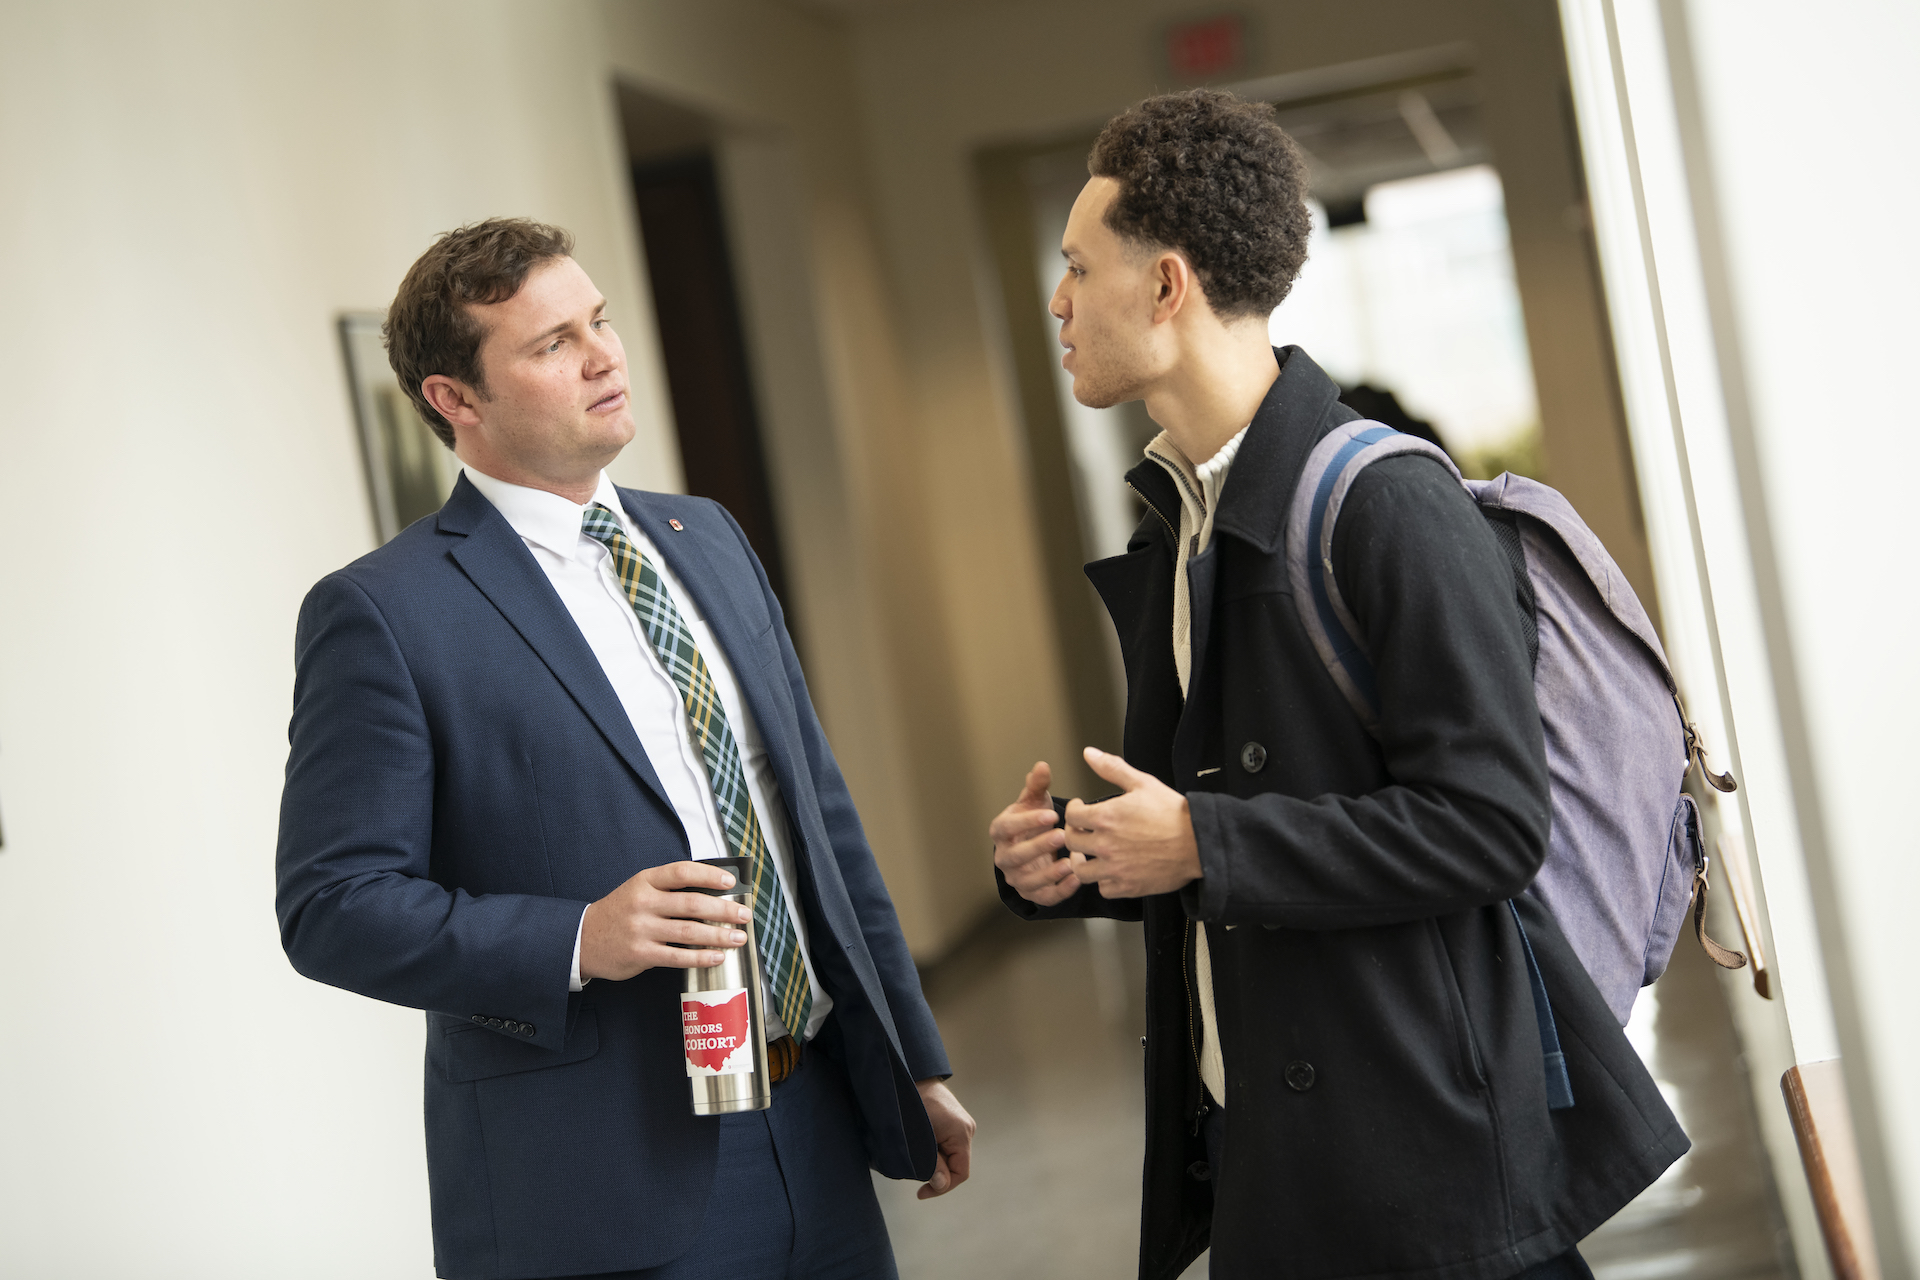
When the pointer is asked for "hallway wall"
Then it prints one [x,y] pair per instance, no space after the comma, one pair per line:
[195,190]
[1817,313]
[1748,308]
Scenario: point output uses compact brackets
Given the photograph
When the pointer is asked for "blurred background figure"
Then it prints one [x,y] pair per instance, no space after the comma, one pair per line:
[1596,241]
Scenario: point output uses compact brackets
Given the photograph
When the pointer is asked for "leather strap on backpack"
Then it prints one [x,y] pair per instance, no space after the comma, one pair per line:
[1697,755]
[1725,957]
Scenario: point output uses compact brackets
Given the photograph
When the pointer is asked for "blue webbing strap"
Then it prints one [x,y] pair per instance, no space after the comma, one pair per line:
[1359,670]
[1559,1087]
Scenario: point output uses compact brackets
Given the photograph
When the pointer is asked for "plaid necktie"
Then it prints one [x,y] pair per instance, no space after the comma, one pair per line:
[785,970]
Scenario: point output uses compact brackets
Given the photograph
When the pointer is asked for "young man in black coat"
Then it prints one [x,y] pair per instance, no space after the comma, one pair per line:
[1344,1069]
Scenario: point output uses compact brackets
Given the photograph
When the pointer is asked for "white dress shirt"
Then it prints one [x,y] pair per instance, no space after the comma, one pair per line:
[582,573]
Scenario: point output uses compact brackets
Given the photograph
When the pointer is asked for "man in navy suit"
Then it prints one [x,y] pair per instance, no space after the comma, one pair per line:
[519,730]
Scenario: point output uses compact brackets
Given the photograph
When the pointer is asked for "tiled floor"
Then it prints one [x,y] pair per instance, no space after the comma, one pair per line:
[1043,1023]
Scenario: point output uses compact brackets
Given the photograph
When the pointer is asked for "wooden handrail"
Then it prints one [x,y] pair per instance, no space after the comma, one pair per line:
[1823,1126]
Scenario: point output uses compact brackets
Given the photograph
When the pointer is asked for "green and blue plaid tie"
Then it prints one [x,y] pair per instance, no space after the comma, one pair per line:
[781,961]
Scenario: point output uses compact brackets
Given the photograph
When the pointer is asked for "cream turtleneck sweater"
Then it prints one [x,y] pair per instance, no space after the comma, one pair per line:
[1199,488]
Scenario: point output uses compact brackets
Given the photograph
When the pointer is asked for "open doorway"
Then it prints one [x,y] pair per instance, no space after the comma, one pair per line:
[697,312]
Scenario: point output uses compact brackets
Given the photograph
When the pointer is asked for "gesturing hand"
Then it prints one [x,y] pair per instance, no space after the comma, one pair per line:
[1026,843]
[649,920]
[1136,844]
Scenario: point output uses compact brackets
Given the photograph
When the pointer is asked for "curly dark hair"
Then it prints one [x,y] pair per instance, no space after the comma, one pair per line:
[429,328]
[1217,179]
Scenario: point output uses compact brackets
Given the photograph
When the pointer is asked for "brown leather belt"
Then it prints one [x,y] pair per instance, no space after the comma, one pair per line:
[783,1057]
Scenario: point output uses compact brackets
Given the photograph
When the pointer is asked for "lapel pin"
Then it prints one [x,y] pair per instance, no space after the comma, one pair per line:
[676,525]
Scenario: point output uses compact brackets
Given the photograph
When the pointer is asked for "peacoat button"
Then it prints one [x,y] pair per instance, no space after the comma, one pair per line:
[1253,757]
[1300,1076]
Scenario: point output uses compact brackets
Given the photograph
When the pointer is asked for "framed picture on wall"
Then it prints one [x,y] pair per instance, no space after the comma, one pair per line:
[409,472]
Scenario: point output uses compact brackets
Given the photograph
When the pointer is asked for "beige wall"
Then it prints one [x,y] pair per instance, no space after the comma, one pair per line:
[1836,591]
[194,191]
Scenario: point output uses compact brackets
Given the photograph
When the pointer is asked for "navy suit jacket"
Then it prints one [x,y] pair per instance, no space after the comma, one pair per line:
[463,781]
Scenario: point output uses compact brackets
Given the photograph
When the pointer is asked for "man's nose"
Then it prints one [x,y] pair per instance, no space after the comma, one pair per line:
[604,352]
[1057,306]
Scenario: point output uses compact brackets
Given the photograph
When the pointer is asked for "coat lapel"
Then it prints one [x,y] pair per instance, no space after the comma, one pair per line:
[497,562]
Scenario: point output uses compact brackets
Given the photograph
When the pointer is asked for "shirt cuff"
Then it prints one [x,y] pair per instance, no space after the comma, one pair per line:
[574,983]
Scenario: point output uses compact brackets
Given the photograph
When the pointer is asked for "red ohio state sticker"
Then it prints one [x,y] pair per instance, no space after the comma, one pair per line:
[715,1024]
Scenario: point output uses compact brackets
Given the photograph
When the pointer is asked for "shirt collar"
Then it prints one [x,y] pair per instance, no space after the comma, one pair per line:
[541,517]
[1199,486]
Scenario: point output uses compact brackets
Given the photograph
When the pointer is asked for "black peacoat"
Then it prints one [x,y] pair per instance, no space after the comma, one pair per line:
[1386,1110]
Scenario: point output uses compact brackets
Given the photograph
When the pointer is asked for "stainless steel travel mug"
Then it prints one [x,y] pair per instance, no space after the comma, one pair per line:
[722,1022]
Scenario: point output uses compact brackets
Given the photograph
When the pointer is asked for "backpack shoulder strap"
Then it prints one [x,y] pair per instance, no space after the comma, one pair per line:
[1335,463]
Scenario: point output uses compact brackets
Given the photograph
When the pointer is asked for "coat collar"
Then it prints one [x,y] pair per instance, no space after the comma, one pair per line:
[1302,405]
[466,509]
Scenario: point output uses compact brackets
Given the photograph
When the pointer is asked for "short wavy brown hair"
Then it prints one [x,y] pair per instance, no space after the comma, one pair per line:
[1217,179]
[430,328]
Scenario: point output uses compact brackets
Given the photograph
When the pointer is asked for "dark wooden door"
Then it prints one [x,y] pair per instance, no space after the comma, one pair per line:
[702,344]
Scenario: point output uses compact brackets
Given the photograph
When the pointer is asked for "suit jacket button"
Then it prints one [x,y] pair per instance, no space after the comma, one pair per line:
[1200,1171]
[1253,757]
[495,1023]
[1300,1076]
[526,1029]
[480,1018]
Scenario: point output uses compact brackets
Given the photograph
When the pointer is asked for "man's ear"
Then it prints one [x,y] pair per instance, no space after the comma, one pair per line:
[454,400]
[1173,285]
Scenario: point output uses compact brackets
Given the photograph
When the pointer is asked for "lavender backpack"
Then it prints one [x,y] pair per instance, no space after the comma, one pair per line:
[1625,853]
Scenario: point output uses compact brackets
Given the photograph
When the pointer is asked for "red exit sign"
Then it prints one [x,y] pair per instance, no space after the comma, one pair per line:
[1202,50]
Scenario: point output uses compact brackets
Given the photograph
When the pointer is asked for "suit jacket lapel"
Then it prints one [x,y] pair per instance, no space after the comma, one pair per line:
[499,564]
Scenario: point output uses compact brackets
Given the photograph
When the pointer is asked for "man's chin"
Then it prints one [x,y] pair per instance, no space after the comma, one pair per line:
[1095,396]
[617,431]
[1097,387]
